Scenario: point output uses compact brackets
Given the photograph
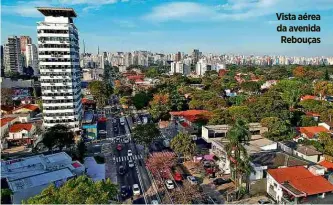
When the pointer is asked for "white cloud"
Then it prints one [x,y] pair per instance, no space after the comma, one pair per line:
[232,10]
[179,11]
[28,8]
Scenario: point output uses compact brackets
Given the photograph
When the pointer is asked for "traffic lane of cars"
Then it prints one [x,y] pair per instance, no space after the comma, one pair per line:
[129,177]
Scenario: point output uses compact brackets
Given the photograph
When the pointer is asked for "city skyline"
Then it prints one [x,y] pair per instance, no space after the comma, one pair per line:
[172,26]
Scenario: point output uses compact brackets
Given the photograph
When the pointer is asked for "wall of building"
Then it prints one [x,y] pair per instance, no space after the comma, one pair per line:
[273,188]
[314,158]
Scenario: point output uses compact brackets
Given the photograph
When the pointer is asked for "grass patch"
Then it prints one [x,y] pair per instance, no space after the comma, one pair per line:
[99,159]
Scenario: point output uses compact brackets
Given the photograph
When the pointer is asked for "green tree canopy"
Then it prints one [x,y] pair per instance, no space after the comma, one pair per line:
[58,136]
[183,144]
[141,100]
[101,92]
[277,128]
[145,134]
[80,190]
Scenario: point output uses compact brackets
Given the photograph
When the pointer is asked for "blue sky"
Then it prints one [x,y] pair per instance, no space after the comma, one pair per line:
[213,26]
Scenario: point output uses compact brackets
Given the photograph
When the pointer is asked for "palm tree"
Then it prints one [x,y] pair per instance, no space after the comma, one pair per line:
[238,135]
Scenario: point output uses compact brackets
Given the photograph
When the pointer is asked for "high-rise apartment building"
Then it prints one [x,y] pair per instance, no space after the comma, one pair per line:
[24,41]
[195,55]
[31,57]
[12,55]
[58,47]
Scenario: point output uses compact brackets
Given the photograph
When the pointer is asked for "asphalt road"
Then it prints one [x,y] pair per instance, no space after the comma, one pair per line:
[114,158]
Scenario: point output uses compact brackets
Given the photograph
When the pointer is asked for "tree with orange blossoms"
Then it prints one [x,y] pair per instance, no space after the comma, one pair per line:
[160,163]
[299,72]
[160,106]
[323,88]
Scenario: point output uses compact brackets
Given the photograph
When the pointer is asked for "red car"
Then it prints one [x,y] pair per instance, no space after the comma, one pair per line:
[178,177]
[119,147]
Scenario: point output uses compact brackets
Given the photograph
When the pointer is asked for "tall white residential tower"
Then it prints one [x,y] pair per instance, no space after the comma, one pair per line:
[58,47]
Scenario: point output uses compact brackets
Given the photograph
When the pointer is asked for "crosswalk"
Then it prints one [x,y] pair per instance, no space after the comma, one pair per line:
[126,158]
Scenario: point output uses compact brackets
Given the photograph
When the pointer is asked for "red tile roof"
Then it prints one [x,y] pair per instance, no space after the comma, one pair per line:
[191,115]
[28,106]
[4,121]
[184,124]
[328,165]
[310,132]
[87,101]
[313,114]
[301,179]
[135,77]
[308,97]
[19,127]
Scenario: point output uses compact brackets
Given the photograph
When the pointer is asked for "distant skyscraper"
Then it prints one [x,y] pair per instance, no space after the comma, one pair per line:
[178,56]
[12,55]
[58,47]
[31,57]
[195,55]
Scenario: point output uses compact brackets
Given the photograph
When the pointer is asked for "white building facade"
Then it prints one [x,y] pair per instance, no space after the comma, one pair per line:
[58,47]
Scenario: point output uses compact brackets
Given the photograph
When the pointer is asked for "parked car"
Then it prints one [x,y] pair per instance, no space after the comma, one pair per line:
[169,184]
[192,179]
[130,163]
[136,189]
[122,170]
[124,190]
[119,147]
[178,177]
[220,181]
[129,153]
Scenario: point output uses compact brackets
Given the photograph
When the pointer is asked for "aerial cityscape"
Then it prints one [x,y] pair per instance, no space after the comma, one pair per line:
[130,102]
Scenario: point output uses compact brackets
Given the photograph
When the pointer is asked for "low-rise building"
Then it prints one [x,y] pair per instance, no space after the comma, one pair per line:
[297,185]
[310,133]
[327,125]
[257,144]
[262,161]
[29,108]
[309,97]
[28,176]
[190,121]
[210,132]
[6,122]
[306,152]
[21,133]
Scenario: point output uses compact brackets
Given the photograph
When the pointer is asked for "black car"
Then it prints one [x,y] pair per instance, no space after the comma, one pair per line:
[122,170]
[124,191]
[220,181]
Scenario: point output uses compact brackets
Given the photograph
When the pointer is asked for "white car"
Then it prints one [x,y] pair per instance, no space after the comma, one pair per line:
[130,163]
[136,189]
[129,153]
[192,179]
[169,184]
[126,140]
